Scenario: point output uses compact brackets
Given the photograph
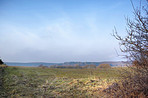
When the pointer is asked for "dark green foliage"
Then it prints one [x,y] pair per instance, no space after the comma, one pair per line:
[1,62]
[3,92]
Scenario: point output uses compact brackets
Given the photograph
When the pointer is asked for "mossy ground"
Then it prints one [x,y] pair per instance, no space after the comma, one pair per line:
[47,82]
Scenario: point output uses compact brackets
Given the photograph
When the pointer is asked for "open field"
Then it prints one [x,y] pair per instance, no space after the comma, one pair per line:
[47,82]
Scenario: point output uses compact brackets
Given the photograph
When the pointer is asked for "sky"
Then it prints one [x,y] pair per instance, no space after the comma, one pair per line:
[62,30]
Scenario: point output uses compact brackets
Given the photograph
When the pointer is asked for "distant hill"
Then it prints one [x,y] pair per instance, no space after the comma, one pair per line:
[35,64]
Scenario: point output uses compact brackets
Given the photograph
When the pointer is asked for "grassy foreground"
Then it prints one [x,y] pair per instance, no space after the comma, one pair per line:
[47,82]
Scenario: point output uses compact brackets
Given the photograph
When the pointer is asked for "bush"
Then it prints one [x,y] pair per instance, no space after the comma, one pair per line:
[42,66]
[104,66]
[3,66]
[89,66]
[135,81]
[1,62]
[133,85]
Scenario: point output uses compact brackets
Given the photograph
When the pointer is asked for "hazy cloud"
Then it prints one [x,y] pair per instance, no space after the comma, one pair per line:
[57,34]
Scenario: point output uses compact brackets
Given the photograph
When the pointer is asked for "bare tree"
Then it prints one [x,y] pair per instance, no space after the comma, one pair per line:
[136,42]
[135,46]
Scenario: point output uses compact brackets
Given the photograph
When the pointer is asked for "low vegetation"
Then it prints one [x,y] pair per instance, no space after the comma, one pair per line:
[89,81]
[1,62]
[53,82]
[104,66]
[134,83]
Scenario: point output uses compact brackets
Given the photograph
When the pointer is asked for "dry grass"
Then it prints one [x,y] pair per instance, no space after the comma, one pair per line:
[134,84]
[35,82]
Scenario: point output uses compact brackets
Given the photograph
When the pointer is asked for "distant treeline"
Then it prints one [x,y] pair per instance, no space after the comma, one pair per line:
[78,66]
[79,63]
[73,66]
[112,63]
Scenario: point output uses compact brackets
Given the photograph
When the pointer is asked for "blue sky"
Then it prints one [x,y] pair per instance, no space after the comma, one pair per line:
[61,30]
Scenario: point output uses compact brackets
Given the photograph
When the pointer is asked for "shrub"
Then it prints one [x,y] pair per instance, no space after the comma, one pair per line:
[133,85]
[3,66]
[135,81]
[42,66]
[104,66]
[1,62]
[89,66]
